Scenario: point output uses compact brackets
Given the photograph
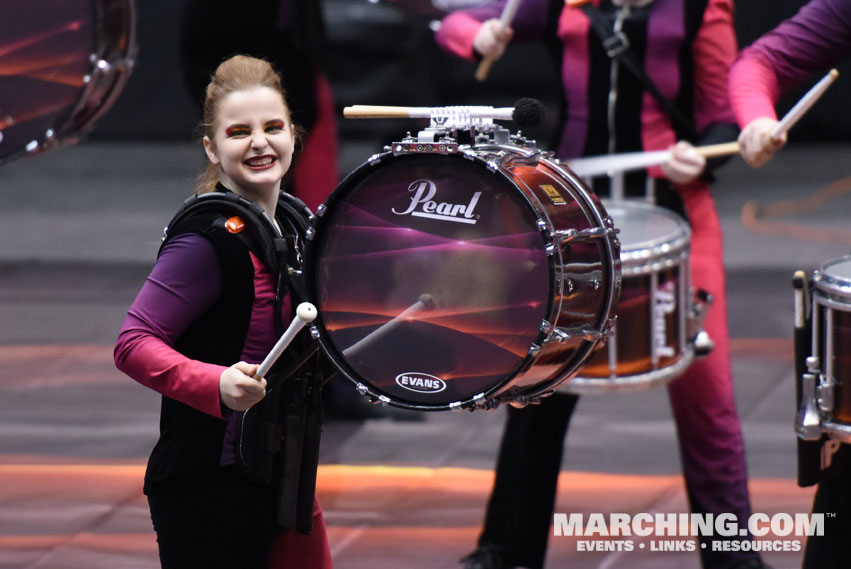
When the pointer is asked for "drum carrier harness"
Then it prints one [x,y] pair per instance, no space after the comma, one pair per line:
[277,440]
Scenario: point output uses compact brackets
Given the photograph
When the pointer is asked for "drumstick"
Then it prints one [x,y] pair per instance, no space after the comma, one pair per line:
[386,112]
[424,302]
[304,313]
[505,19]
[804,104]
[610,163]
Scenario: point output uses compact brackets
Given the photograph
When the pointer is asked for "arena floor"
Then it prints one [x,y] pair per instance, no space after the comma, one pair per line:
[80,227]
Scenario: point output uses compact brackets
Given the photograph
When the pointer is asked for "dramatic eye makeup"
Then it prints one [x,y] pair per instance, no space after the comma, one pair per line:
[275,125]
[237,130]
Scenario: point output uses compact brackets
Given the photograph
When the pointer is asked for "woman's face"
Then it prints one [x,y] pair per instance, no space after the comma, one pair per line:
[253,141]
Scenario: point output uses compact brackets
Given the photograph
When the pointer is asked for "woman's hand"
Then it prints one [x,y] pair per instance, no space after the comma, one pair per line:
[239,389]
[492,39]
[756,144]
[684,165]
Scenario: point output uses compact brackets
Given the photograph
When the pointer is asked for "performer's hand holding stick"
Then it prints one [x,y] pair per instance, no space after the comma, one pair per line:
[305,313]
[764,136]
[612,163]
[505,20]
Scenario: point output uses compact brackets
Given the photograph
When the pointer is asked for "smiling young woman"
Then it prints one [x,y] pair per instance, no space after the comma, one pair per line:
[252,144]
[214,298]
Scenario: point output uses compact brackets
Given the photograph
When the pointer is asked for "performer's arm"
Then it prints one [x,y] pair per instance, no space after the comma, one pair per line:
[184,283]
[477,32]
[808,43]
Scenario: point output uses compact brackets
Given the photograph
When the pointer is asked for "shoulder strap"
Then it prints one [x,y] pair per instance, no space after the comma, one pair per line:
[217,210]
[616,45]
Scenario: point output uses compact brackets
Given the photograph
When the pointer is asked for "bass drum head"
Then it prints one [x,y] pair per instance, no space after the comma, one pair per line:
[430,277]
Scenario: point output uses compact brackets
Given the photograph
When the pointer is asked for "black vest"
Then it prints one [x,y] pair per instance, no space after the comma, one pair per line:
[190,440]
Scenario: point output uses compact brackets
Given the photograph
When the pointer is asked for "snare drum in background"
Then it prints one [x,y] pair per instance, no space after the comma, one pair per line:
[64,64]
[651,340]
[449,278]
[826,388]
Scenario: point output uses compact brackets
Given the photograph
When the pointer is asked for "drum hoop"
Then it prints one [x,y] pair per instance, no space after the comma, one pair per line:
[78,119]
[111,64]
[636,382]
[835,302]
[653,264]
[832,286]
[592,207]
[602,218]
[653,255]
[320,334]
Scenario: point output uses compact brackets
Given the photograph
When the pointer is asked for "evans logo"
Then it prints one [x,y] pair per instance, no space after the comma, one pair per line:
[420,382]
[423,204]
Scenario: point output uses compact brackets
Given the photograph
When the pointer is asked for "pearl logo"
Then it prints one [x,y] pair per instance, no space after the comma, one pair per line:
[666,303]
[420,382]
[423,204]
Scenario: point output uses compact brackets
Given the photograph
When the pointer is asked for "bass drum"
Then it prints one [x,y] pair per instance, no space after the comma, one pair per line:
[461,279]
[64,65]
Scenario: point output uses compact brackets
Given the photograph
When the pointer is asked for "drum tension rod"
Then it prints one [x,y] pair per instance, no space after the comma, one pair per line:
[568,235]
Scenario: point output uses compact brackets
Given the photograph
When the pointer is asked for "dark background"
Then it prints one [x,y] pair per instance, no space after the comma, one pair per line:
[384,53]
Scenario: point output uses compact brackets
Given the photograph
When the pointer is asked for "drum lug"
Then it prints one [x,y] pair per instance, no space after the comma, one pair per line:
[530,157]
[495,163]
[546,327]
[807,420]
[481,403]
[455,406]
[534,350]
[310,234]
[568,235]
[361,389]
[562,335]
[320,211]
[383,400]
[608,330]
[824,393]
[314,332]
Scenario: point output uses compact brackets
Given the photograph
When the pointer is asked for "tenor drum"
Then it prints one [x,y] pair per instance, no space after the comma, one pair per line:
[827,385]
[650,342]
[450,278]
[64,64]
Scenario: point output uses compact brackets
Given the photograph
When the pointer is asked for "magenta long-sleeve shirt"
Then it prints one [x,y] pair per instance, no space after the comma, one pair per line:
[809,42]
[184,283]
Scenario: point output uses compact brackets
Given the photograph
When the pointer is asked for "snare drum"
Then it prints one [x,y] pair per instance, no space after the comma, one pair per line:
[449,278]
[65,63]
[650,343]
[826,393]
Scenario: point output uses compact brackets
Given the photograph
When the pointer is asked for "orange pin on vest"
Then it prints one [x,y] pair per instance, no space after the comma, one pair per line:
[235,225]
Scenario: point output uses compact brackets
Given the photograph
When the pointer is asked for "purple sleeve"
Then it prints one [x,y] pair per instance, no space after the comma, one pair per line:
[184,283]
[811,41]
